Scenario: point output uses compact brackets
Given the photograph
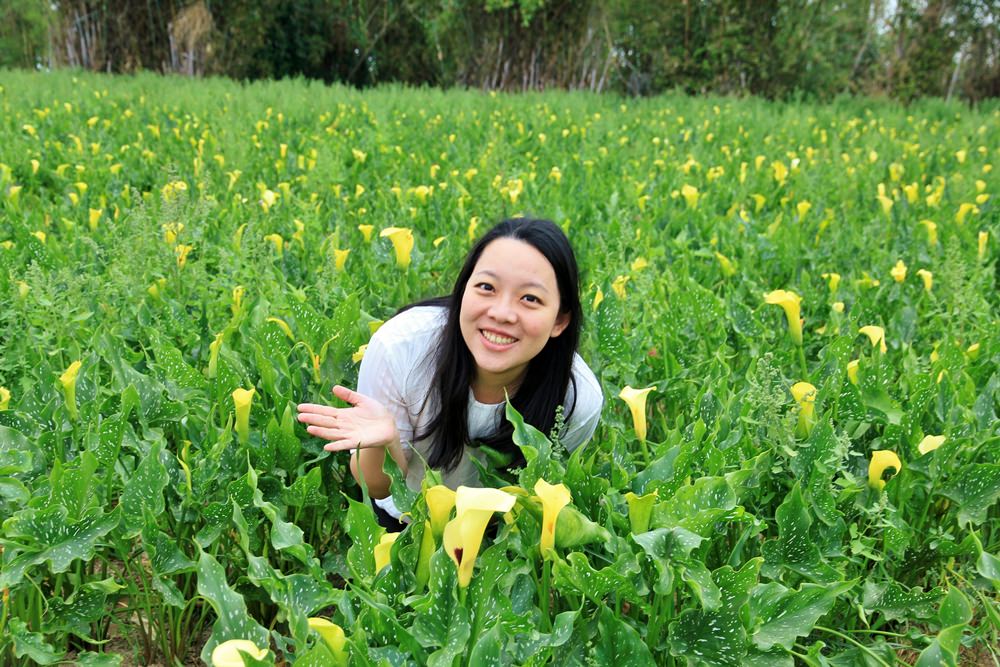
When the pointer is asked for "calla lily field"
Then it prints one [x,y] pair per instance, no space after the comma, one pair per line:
[182,262]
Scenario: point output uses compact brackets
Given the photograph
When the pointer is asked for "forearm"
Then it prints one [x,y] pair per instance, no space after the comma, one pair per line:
[370,467]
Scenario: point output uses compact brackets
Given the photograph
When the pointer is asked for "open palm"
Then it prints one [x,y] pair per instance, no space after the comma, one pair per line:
[366,423]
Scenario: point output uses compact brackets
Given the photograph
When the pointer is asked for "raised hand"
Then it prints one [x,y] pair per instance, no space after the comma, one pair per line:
[366,423]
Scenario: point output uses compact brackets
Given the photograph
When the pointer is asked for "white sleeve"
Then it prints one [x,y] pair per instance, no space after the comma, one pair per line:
[586,414]
[382,378]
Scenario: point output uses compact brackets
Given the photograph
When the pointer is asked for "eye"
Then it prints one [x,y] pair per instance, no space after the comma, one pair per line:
[531,298]
[486,287]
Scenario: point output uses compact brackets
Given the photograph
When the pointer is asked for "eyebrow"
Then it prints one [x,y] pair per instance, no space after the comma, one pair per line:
[530,283]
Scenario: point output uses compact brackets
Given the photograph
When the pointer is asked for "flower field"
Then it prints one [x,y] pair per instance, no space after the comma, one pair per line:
[793,311]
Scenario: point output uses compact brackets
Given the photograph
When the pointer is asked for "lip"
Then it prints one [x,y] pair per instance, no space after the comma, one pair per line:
[490,345]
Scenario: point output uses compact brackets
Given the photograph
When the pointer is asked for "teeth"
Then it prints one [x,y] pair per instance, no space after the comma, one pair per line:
[498,340]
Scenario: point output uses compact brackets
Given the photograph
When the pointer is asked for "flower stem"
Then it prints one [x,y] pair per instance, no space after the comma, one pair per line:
[802,364]
[546,581]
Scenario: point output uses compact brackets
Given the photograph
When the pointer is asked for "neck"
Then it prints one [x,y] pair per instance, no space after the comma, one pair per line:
[495,389]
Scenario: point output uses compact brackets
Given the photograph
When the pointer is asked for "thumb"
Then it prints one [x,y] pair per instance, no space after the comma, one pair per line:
[348,395]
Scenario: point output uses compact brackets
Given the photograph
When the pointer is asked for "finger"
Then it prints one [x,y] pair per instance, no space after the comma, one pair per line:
[348,395]
[342,445]
[317,409]
[317,419]
[325,432]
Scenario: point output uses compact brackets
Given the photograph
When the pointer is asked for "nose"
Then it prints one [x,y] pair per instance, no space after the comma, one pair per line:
[503,311]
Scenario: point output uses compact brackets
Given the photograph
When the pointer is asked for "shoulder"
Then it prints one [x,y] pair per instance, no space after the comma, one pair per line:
[417,327]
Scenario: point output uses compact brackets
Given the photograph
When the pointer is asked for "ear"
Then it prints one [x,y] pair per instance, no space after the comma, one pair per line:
[562,321]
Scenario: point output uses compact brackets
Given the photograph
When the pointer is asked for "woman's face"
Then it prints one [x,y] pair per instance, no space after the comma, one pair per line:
[510,309]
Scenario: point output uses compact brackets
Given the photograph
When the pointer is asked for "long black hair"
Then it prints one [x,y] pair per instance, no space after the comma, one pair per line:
[549,373]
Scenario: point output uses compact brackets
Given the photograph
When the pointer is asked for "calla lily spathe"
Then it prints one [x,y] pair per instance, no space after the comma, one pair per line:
[805,395]
[554,497]
[333,636]
[463,535]
[882,459]
[640,510]
[440,502]
[227,654]
[383,549]
[899,271]
[930,443]
[789,302]
[4,398]
[402,243]
[876,335]
[636,401]
[243,401]
[68,382]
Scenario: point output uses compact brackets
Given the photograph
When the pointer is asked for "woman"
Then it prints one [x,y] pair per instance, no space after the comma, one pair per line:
[435,377]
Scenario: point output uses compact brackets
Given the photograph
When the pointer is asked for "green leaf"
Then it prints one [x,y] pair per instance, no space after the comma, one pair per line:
[975,488]
[489,649]
[697,507]
[610,334]
[663,546]
[717,637]
[618,643]
[365,534]
[84,606]
[143,493]
[32,644]
[896,603]
[795,547]
[48,535]
[576,573]
[91,659]
[943,650]
[232,620]
[955,609]
[441,621]
[781,615]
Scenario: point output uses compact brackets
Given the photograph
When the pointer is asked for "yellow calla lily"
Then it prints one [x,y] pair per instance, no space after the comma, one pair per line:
[930,443]
[984,237]
[213,355]
[636,401]
[463,535]
[333,636]
[382,550]
[852,371]
[833,281]
[366,232]
[238,293]
[726,264]
[690,194]
[402,243]
[789,302]
[899,271]
[4,398]
[243,400]
[94,217]
[931,228]
[227,654]
[640,510]
[876,335]
[554,497]
[927,277]
[882,459]
[68,382]
[278,242]
[340,258]
[805,395]
[440,502]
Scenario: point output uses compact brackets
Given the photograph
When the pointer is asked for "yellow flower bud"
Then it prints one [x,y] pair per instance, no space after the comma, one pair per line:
[852,371]
[636,401]
[4,398]
[554,497]
[882,459]
[68,382]
[927,277]
[228,653]
[243,401]
[805,395]
[383,550]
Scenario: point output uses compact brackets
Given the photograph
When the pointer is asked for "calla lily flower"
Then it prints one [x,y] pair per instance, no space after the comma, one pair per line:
[440,502]
[931,228]
[243,400]
[359,354]
[882,459]
[278,242]
[927,277]
[802,208]
[238,293]
[94,218]
[789,302]
[834,281]
[690,194]
[852,371]
[598,298]
[333,636]
[984,237]
[464,534]
[618,285]
[899,271]
[213,355]
[402,242]
[68,382]
[636,401]
[876,335]
[930,443]
[886,203]
[366,232]
[780,172]
[340,258]
[227,654]
[805,395]
[382,550]
[554,497]
[726,264]
[4,398]
[640,510]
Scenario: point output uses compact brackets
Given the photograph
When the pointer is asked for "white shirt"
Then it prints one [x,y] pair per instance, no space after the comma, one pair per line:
[398,369]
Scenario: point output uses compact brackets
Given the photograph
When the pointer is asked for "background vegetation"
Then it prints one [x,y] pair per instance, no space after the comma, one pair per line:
[904,49]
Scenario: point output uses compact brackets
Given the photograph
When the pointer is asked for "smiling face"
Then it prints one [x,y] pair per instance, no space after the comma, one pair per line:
[510,310]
